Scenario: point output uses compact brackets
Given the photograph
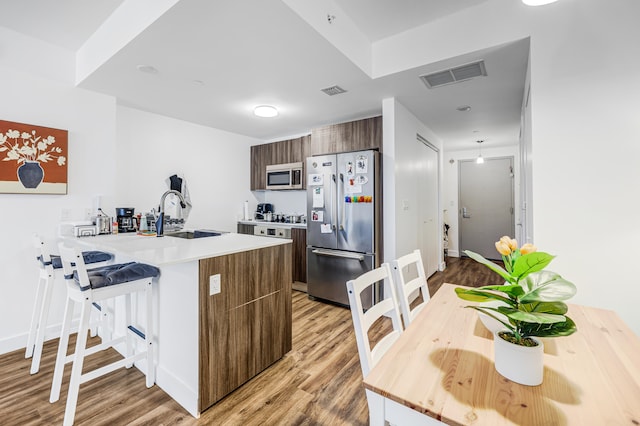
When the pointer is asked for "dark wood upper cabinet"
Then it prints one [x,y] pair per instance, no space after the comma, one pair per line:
[351,136]
[356,135]
[282,152]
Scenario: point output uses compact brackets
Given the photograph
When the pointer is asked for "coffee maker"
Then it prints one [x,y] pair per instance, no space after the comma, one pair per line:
[264,211]
[126,221]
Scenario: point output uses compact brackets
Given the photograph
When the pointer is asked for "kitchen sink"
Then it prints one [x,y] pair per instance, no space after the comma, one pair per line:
[198,233]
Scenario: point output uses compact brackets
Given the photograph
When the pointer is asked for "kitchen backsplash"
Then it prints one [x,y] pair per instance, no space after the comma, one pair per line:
[291,201]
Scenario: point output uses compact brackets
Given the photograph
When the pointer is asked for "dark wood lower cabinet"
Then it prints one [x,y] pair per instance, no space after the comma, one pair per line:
[243,228]
[299,237]
[247,326]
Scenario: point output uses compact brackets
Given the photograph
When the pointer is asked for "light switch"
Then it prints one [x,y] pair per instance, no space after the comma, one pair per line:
[405,204]
[214,284]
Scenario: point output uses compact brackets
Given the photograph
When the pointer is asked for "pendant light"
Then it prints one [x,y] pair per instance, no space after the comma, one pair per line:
[479,160]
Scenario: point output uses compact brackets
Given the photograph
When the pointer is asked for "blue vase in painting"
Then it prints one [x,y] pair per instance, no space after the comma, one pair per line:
[30,174]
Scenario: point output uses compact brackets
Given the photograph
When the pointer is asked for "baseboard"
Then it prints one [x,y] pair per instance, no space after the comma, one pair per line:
[13,343]
[19,341]
[453,253]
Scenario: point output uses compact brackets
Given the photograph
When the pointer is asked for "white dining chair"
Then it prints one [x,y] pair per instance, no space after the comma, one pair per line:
[362,320]
[409,277]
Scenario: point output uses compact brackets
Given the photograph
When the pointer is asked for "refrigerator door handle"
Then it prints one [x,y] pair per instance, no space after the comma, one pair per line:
[340,201]
[334,213]
[332,253]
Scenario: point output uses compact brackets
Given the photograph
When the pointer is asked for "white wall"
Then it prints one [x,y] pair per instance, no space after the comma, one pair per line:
[584,129]
[401,157]
[294,201]
[214,163]
[31,95]
[119,154]
[451,188]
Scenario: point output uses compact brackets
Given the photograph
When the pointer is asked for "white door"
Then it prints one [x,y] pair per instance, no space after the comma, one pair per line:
[428,207]
[486,204]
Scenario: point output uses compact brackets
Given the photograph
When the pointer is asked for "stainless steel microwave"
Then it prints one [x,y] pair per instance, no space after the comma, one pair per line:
[284,176]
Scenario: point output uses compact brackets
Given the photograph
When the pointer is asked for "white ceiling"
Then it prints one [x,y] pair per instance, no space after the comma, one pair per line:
[217,59]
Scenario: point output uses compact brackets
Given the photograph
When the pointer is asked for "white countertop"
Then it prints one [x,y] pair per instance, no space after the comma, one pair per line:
[171,250]
[273,224]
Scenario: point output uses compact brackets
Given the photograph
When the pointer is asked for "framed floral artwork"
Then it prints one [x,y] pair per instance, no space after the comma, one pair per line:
[33,159]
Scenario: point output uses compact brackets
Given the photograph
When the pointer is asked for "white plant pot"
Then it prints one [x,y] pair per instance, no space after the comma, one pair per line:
[520,364]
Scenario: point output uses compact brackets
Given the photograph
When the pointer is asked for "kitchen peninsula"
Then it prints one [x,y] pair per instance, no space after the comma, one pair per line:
[223,309]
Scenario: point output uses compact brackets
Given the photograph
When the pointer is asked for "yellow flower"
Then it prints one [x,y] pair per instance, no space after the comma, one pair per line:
[503,248]
[513,244]
[528,248]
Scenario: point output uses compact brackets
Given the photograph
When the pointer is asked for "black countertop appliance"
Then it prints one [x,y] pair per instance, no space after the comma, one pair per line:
[262,210]
[126,220]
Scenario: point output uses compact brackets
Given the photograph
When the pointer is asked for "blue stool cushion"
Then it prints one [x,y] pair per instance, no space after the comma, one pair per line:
[118,274]
[89,258]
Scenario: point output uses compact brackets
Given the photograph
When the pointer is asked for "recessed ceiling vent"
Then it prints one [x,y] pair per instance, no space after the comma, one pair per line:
[333,90]
[454,75]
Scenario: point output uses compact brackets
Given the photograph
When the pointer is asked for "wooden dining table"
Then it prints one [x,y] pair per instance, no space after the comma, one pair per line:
[441,370]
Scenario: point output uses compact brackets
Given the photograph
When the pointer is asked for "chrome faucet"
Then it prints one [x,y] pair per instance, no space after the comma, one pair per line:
[160,220]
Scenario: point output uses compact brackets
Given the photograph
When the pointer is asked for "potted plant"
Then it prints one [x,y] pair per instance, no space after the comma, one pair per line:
[531,305]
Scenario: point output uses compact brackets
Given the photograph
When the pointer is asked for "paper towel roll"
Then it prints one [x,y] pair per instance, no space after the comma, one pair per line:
[246,210]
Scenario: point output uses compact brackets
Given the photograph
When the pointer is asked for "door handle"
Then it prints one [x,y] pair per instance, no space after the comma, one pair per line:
[332,253]
[465,214]
[341,203]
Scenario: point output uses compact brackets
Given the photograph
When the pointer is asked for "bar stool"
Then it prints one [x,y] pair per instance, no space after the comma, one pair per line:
[86,287]
[49,265]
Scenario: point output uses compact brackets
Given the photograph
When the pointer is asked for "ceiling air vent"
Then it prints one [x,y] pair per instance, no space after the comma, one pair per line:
[333,90]
[454,75]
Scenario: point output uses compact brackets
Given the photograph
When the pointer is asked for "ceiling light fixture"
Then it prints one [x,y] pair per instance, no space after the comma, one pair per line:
[266,111]
[538,2]
[464,108]
[479,160]
[149,69]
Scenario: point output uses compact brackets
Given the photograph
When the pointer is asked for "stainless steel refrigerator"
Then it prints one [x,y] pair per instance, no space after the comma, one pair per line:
[343,212]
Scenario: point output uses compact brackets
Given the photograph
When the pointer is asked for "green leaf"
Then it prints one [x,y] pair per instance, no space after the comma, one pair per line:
[513,290]
[486,310]
[549,330]
[495,268]
[478,295]
[535,317]
[557,308]
[547,286]
[531,262]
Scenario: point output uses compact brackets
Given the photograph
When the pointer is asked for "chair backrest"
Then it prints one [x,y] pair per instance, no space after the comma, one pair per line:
[43,255]
[362,320]
[406,287]
[72,260]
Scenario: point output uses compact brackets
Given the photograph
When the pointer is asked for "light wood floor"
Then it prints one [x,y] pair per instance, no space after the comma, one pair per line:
[318,383]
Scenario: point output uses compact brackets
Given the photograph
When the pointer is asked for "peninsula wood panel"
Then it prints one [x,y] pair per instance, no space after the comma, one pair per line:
[356,135]
[247,326]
